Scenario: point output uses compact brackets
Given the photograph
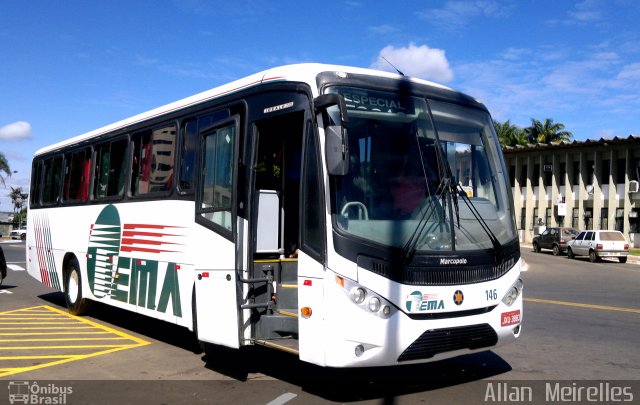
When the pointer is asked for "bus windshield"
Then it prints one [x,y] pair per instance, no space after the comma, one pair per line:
[402,150]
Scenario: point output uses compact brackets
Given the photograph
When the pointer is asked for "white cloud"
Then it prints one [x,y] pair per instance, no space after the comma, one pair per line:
[454,15]
[417,61]
[15,131]
[585,12]
[630,72]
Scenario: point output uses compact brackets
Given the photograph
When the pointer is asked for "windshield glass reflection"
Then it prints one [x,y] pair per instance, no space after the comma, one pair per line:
[396,173]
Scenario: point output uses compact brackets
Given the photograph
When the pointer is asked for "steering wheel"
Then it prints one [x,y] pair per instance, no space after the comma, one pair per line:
[362,210]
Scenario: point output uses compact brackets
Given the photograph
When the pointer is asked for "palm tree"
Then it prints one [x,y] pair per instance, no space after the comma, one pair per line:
[510,135]
[4,167]
[547,131]
[18,198]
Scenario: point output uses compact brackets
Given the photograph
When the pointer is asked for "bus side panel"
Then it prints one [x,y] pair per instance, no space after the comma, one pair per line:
[311,295]
[215,286]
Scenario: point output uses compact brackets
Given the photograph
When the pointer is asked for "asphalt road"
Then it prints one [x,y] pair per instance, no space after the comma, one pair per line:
[581,323]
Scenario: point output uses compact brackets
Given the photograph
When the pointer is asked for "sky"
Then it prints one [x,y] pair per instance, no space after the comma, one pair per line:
[70,67]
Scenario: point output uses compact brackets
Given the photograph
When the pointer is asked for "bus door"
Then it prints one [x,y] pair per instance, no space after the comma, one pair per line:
[279,128]
[218,248]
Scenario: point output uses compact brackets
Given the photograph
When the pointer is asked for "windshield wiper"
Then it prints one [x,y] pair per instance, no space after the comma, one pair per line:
[409,248]
[456,191]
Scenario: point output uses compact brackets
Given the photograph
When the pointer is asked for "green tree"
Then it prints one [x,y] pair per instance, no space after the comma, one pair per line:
[18,198]
[547,131]
[4,167]
[510,135]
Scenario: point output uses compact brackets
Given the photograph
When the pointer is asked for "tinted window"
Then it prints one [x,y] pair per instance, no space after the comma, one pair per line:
[52,180]
[153,155]
[77,170]
[589,236]
[188,147]
[110,174]
[218,171]
[36,191]
[581,236]
[313,213]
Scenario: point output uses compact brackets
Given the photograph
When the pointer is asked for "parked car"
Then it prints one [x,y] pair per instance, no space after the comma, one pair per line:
[599,244]
[554,238]
[19,233]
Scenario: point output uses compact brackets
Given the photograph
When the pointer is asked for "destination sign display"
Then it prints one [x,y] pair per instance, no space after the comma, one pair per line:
[376,101]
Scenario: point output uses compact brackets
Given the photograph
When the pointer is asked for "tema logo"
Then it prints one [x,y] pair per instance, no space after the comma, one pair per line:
[115,273]
[417,301]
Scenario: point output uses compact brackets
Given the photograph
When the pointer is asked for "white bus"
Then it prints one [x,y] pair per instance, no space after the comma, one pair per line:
[350,216]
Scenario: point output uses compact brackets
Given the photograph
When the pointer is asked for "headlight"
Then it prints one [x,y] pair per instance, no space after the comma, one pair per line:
[374,304]
[513,293]
[366,299]
[358,295]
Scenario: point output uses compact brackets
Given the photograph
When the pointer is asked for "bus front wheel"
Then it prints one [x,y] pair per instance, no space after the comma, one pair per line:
[73,289]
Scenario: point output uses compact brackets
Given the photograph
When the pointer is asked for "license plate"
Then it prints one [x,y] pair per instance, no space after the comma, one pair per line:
[510,318]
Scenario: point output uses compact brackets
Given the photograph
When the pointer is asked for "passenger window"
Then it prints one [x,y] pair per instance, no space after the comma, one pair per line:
[218,172]
[110,174]
[589,236]
[153,159]
[52,180]
[36,191]
[188,146]
[77,170]
[581,236]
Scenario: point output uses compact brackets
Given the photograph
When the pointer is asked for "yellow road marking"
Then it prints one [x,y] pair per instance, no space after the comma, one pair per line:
[20,323]
[581,305]
[50,333]
[61,339]
[51,328]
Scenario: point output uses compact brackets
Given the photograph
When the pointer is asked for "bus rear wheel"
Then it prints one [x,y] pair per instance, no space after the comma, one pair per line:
[76,305]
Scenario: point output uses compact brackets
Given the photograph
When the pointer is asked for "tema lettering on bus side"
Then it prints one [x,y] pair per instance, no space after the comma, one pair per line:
[129,279]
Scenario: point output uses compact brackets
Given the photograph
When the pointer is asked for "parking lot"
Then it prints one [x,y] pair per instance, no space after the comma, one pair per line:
[581,322]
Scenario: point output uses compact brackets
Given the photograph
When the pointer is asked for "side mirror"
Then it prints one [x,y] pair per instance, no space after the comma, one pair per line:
[336,139]
[337,150]
[329,100]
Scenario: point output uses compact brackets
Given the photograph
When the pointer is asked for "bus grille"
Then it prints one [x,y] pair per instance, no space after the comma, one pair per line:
[436,341]
[454,276]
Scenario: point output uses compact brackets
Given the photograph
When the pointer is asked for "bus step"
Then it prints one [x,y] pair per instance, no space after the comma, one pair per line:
[287,296]
[289,345]
[288,312]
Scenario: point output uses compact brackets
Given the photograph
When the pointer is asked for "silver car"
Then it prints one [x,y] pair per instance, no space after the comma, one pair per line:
[599,244]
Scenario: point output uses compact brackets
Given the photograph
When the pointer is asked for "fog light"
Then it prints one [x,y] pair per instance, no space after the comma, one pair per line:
[386,310]
[359,350]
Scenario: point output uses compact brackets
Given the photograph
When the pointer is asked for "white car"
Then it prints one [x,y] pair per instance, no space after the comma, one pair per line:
[599,244]
[19,233]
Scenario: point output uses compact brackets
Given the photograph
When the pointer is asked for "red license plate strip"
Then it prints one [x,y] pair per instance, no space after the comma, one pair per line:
[510,318]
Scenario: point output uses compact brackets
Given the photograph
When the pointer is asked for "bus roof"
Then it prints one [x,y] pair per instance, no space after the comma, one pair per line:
[305,72]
